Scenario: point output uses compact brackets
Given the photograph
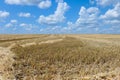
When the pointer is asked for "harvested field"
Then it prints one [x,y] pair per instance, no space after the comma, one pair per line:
[61,57]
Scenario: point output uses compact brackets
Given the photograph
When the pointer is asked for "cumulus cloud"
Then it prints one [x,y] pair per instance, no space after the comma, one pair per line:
[22,2]
[4,14]
[40,3]
[90,19]
[107,2]
[27,26]
[11,23]
[114,21]
[112,13]
[44,4]
[87,17]
[87,22]
[24,14]
[112,16]
[23,25]
[57,17]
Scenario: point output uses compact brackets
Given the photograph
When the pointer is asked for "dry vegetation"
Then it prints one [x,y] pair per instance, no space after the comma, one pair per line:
[65,57]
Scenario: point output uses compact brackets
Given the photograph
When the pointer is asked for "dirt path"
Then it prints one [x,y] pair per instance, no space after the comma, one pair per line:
[6,60]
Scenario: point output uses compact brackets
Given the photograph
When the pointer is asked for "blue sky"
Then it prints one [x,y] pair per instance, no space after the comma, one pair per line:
[59,16]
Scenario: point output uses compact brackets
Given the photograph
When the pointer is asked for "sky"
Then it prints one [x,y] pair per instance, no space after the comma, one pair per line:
[59,16]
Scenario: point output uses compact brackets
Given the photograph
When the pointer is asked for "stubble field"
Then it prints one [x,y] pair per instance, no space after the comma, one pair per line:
[60,57]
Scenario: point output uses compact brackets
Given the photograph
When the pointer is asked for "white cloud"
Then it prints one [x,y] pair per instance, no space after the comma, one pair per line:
[9,25]
[114,21]
[27,26]
[86,23]
[90,20]
[57,17]
[44,4]
[13,21]
[112,13]
[87,17]
[40,3]
[112,16]
[24,15]
[4,14]
[22,2]
[107,2]
[23,25]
